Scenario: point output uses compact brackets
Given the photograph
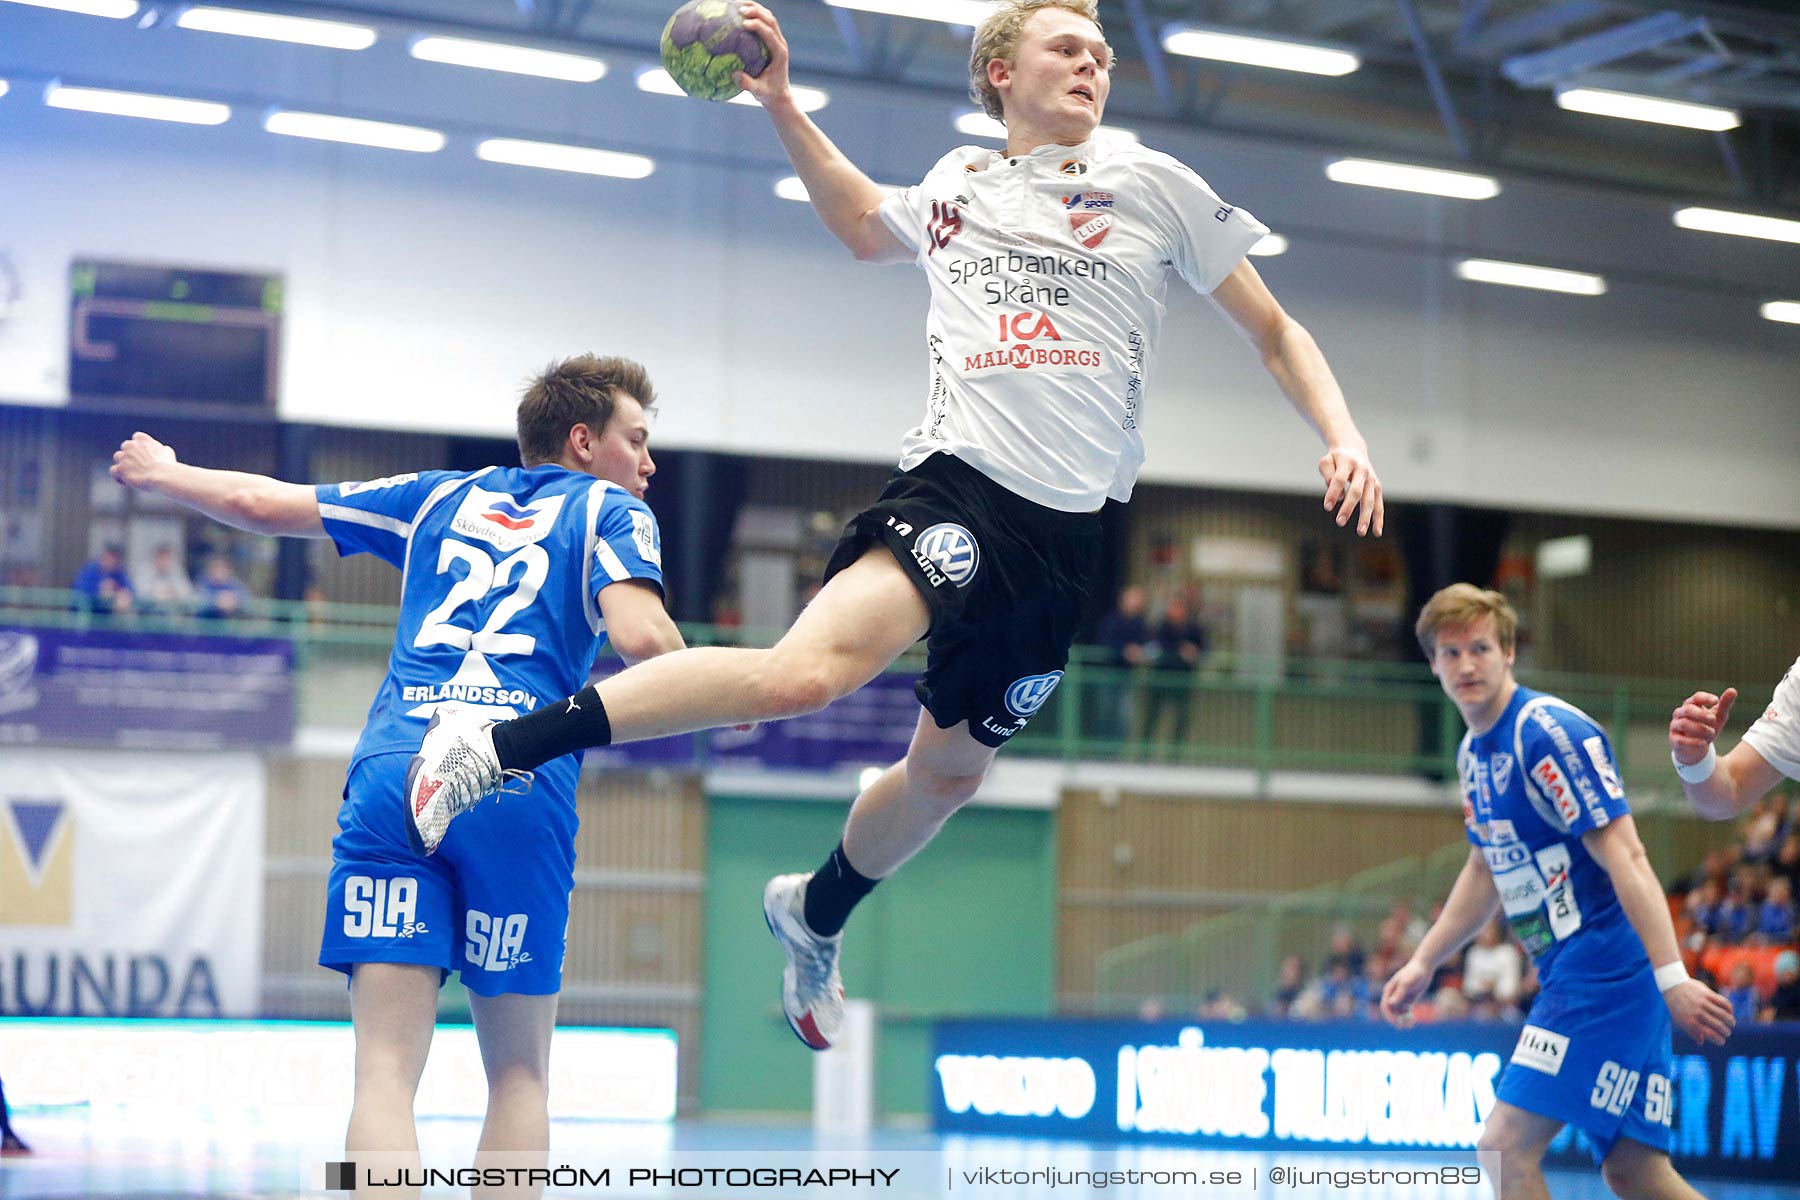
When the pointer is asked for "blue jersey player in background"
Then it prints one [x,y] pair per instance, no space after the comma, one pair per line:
[1553,845]
[512,578]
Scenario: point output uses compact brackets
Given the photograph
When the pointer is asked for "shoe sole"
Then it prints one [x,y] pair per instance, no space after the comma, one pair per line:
[412,827]
[815,1046]
[406,798]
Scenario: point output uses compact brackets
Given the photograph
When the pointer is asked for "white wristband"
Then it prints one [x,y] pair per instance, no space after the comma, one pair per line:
[1670,975]
[1701,771]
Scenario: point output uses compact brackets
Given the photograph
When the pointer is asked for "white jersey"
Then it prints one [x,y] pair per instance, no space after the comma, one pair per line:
[1776,735]
[1048,272]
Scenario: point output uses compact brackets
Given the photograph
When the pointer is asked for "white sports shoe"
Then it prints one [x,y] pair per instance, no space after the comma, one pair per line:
[454,769]
[812,994]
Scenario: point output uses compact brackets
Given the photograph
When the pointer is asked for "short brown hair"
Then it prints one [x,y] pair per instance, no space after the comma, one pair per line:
[998,38]
[1461,605]
[575,391]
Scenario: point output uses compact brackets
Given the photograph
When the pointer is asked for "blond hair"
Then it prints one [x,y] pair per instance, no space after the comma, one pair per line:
[998,38]
[1461,605]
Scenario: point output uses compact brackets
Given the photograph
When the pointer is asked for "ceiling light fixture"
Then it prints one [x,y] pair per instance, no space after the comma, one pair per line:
[1281,55]
[1544,279]
[1605,103]
[353,130]
[1457,185]
[1718,220]
[583,160]
[305,31]
[136,104]
[516,60]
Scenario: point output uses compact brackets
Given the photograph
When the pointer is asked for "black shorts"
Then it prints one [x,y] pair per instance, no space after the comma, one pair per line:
[1007,582]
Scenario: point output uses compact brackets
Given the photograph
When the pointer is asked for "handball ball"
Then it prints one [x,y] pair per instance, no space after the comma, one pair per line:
[705,44]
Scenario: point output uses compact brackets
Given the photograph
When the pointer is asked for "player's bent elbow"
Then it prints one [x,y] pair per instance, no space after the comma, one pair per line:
[784,689]
[868,250]
[256,509]
[1714,805]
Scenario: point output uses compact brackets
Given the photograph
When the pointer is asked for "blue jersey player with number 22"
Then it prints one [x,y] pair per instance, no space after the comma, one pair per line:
[512,578]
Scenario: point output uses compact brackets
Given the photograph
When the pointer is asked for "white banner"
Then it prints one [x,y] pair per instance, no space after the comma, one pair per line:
[131,884]
[287,1071]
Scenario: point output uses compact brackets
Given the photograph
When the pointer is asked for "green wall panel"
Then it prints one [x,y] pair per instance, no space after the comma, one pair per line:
[967,927]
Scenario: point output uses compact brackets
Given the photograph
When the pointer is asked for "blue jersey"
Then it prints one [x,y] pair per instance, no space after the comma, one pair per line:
[500,576]
[1532,785]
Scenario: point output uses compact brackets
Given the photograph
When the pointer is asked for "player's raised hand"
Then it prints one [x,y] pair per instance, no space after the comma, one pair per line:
[772,85]
[1698,723]
[1702,1013]
[1353,488]
[1403,988]
[137,460]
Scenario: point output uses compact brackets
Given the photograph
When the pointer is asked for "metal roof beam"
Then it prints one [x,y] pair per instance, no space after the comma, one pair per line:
[1596,50]
[1434,78]
[1506,36]
[1150,48]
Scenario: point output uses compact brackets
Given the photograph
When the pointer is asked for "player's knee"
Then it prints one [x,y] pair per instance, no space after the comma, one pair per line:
[1636,1178]
[944,790]
[518,1090]
[518,1076]
[1497,1137]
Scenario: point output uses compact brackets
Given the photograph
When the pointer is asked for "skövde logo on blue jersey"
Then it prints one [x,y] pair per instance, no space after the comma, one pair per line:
[948,551]
[1027,695]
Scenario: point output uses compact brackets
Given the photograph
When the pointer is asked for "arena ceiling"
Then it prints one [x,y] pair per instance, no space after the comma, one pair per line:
[1446,82]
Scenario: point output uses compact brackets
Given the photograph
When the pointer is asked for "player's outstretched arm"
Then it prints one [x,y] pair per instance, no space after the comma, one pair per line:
[1291,355]
[236,498]
[1725,786]
[1472,903]
[1702,1013]
[637,624]
[847,200]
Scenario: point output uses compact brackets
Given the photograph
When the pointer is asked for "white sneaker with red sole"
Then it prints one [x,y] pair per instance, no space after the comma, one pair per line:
[812,994]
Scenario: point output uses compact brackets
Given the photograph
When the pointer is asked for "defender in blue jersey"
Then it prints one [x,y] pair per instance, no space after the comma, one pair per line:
[1553,845]
[512,579]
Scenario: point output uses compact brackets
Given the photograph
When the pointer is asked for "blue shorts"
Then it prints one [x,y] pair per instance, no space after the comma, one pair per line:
[492,903]
[1595,1053]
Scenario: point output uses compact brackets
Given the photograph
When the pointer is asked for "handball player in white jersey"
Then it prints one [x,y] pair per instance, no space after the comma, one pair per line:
[1721,787]
[1048,265]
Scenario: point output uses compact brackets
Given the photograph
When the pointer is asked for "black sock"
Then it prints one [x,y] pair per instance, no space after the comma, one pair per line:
[552,731]
[835,889]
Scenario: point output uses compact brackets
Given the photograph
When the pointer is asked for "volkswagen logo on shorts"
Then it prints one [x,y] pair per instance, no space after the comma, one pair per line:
[951,549]
[1026,696]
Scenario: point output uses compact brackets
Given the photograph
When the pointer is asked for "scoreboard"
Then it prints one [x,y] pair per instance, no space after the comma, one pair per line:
[173,338]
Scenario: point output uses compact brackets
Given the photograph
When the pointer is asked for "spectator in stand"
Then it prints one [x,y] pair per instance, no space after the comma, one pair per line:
[1343,992]
[1345,950]
[1703,910]
[1288,986]
[166,588]
[1762,832]
[1736,914]
[222,593]
[1784,1001]
[1787,860]
[1742,993]
[1178,645]
[1714,868]
[1493,968]
[1125,634]
[1376,969]
[102,586]
[1449,1004]
[1221,1005]
[1775,919]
